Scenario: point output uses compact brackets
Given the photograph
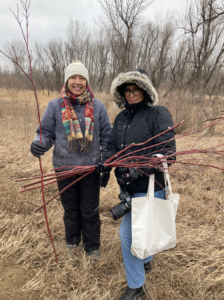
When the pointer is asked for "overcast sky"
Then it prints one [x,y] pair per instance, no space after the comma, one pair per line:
[49,18]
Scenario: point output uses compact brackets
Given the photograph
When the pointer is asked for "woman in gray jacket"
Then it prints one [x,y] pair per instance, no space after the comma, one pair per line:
[79,127]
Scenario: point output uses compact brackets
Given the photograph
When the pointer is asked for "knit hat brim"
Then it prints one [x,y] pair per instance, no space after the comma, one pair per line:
[76,68]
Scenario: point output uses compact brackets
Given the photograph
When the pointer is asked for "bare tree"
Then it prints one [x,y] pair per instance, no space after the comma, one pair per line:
[197,63]
[17,51]
[54,51]
[155,43]
[206,12]
[120,20]
[77,34]
[42,71]
[206,34]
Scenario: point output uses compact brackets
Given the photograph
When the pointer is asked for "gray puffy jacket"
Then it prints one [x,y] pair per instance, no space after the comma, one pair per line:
[53,132]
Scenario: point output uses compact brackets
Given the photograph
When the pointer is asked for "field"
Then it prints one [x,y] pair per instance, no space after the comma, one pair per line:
[194,269]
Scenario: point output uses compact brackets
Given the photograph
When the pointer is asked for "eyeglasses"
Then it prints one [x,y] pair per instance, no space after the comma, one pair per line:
[135,92]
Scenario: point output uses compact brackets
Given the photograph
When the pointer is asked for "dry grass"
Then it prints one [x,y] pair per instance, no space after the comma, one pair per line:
[194,269]
[183,107]
[26,96]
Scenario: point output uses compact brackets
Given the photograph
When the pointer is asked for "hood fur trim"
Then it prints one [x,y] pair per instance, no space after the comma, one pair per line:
[133,77]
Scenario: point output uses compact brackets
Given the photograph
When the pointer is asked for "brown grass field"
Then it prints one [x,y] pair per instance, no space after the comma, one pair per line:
[194,269]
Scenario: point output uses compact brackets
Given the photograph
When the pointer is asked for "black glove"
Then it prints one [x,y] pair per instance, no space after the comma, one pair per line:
[101,168]
[37,149]
[104,178]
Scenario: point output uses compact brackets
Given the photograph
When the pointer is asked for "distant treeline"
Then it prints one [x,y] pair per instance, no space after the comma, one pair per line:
[178,53]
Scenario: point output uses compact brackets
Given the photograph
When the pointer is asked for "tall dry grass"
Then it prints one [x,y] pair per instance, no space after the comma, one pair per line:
[194,269]
[195,110]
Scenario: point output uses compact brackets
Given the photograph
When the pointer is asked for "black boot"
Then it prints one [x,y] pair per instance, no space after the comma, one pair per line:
[147,267]
[134,294]
[93,255]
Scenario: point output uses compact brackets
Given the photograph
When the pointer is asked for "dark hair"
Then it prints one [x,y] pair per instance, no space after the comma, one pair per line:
[147,97]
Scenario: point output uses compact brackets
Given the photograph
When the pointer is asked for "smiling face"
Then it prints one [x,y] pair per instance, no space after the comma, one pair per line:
[77,84]
[133,94]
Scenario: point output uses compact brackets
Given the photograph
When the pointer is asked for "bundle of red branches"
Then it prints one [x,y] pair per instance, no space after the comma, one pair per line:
[128,159]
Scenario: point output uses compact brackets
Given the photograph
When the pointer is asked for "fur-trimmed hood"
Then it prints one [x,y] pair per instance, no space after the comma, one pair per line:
[133,77]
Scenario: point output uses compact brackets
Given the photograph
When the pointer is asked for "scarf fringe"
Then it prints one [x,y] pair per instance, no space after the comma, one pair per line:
[85,145]
[72,145]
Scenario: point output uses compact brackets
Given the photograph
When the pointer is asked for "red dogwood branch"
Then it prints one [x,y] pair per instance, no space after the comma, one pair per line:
[26,6]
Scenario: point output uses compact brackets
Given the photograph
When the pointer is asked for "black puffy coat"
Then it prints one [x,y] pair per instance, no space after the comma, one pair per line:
[131,126]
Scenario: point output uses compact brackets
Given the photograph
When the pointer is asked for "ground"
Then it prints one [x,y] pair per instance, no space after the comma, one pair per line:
[13,278]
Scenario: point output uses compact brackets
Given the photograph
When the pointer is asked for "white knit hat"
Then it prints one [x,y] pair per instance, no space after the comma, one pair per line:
[76,68]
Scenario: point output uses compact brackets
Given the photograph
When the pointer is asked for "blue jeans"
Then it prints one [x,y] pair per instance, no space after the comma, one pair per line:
[134,267]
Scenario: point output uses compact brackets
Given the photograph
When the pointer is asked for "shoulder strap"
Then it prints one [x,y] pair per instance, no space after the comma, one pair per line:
[152,117]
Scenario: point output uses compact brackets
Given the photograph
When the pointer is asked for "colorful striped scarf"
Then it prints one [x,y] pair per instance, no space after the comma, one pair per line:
[70,120]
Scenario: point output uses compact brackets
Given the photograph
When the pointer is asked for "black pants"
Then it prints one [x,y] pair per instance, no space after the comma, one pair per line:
[81,205]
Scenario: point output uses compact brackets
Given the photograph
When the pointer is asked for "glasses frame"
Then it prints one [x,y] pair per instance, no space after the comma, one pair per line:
[132,91]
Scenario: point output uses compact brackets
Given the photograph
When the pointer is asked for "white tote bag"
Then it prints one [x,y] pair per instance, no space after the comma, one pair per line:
[153,221]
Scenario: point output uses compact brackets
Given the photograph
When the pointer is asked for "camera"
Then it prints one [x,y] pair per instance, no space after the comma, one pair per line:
[122,208]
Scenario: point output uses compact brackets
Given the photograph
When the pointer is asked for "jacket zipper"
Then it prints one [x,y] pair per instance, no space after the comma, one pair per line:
[126,131]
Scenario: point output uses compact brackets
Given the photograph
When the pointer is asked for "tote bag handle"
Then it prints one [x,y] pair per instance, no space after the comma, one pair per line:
[166,172]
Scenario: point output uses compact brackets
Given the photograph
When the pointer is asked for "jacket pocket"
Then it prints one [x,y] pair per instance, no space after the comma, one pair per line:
[57,159]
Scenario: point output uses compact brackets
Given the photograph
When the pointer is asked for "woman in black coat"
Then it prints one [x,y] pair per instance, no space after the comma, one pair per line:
[137,123]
